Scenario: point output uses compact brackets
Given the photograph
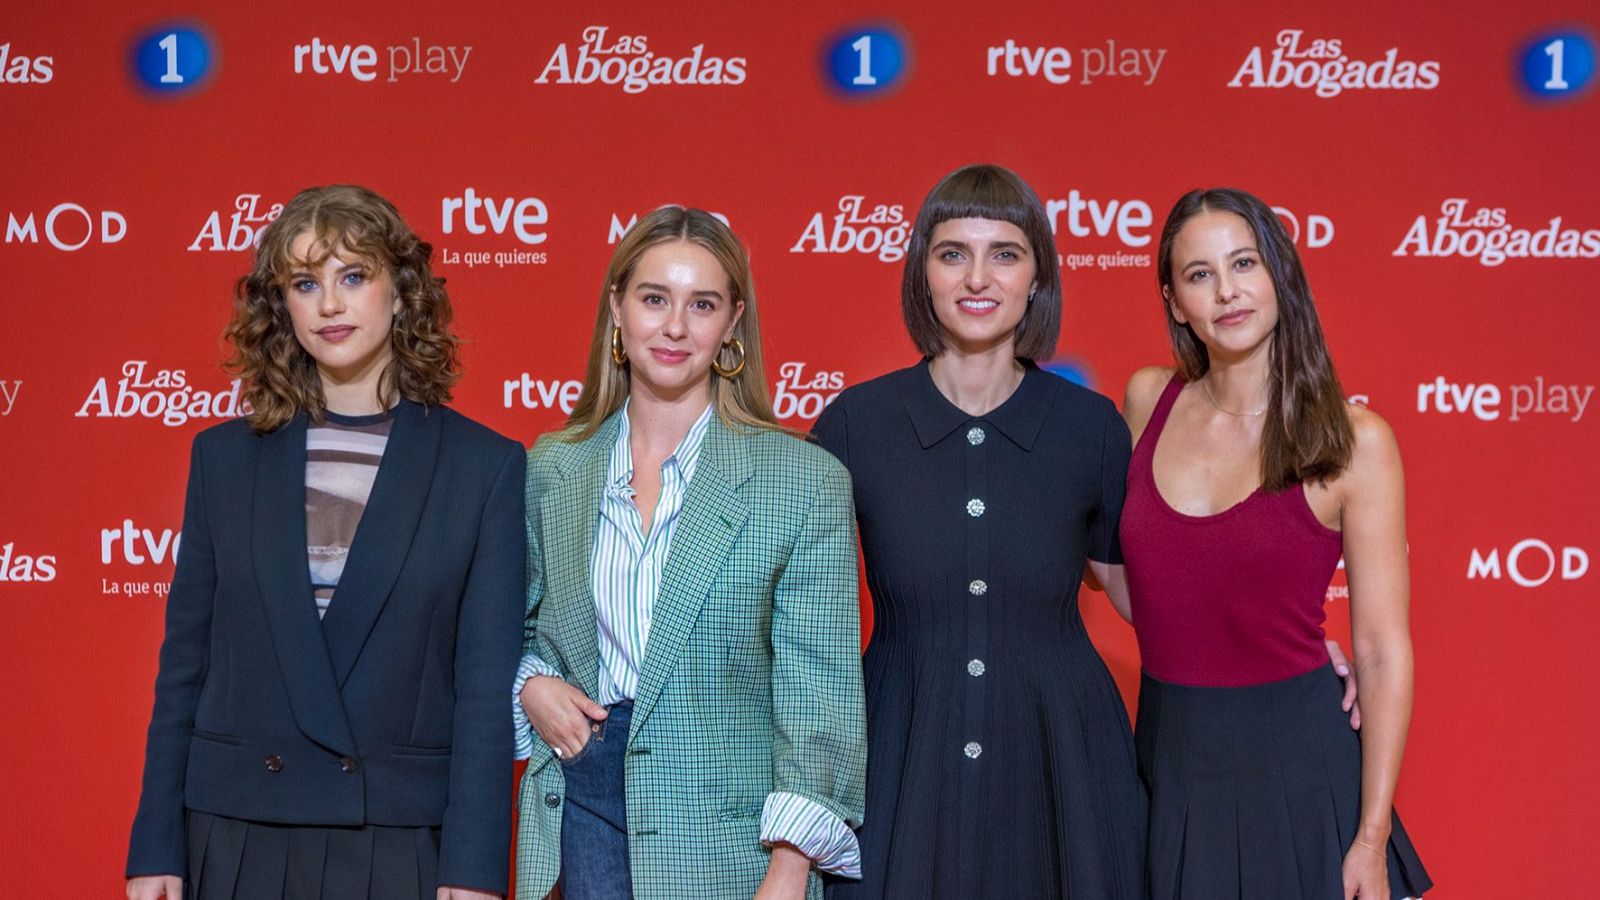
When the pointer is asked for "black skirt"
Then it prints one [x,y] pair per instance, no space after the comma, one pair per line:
[232,859]
[1256,791]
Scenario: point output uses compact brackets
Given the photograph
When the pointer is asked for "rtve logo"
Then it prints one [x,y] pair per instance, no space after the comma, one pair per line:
[1529,563]
[521,215]
[1485,402]
[138,546]
[1054,64]
[67,226]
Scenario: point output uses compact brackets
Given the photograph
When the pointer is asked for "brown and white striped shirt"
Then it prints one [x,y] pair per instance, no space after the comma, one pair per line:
[342,457]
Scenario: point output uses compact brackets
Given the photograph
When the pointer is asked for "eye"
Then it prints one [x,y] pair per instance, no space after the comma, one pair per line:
[355,278]
[1007,256]
[705,305]
[951,256]
[1244,263]
[303,285]
[1197,275]
[653,299]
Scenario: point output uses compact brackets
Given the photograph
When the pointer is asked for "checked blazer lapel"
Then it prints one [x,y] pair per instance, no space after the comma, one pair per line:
[283,579]
[383,537]
[571,516]
[712,515]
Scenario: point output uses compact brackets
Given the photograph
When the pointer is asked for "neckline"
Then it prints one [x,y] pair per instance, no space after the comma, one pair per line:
[1169,400]
[331,417]
[927,372]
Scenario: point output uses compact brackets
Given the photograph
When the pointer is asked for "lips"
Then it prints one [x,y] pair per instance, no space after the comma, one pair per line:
[335,333]
[670,357]
[977,306]
[1233,318]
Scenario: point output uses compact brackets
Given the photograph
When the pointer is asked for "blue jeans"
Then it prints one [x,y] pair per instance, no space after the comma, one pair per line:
[594,826]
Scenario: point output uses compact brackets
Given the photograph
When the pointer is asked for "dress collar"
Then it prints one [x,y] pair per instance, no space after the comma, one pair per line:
[1019,418]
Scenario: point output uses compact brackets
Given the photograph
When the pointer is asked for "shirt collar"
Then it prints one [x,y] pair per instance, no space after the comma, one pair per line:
[1019,418]
[684,458]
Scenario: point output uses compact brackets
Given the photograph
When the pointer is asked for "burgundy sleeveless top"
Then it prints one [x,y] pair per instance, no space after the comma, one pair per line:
[1226,600]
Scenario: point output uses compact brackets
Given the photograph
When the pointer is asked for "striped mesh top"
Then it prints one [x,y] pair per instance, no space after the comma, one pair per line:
[342,457]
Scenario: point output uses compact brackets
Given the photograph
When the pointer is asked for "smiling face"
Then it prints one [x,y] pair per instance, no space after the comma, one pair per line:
[1220,287]
[980,277]
[343,311]
[675,312]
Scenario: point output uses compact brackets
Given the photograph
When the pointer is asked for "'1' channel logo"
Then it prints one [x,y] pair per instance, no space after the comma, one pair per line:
[1558,66]
[173,59]
[868,61]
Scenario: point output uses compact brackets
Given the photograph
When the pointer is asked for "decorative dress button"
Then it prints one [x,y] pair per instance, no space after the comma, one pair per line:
[274,763]
[975,507]
[975,668]
[973,749]
[552,801]
[347,765]
[978,587]
[975,435]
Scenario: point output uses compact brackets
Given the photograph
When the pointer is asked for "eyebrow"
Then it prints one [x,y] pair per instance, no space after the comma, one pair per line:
[663,289]
[1200,262]
[306,270]
[996,245]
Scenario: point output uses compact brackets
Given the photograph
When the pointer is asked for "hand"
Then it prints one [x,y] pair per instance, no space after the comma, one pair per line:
[155,887]
[1348,673]
[1366,873]
[787,873]
[458,893]
[560,713]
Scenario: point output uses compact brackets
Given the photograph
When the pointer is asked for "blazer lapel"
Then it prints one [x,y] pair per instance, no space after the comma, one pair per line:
[283,578]
[383,537]
[571,515]
[712,515]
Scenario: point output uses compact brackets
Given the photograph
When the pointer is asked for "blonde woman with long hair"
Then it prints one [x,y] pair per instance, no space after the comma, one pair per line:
[690,692]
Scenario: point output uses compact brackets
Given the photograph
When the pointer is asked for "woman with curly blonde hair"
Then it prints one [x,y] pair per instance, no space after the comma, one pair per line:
[329,711]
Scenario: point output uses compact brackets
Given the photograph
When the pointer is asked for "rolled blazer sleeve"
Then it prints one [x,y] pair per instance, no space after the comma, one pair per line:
[819,750]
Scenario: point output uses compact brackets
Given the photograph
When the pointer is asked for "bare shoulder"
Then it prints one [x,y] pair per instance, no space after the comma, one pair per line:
[1144,390]
[1375,457]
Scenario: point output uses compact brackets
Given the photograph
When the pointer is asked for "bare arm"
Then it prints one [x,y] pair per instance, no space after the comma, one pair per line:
[1373,519]
[1113,580]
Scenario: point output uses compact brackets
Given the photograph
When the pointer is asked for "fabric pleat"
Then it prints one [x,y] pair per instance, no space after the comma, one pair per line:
[232,859]
[1255,792]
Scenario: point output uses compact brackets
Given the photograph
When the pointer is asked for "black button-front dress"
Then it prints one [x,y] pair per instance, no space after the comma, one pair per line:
[1000,760]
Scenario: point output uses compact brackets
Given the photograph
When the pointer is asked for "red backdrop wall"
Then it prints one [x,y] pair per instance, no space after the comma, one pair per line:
[1448,217]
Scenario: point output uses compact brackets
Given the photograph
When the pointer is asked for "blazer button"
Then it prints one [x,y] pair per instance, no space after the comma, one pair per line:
[346,764]
[552,801]
[274,763]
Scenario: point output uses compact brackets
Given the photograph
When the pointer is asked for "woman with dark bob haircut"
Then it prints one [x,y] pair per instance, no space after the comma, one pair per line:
[330,707]
[1000,761]
[1251,478]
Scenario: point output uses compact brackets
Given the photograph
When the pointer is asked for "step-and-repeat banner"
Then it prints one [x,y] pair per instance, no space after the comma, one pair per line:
[1434,163]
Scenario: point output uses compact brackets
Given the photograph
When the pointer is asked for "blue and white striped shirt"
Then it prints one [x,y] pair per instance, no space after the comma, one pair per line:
[625,571]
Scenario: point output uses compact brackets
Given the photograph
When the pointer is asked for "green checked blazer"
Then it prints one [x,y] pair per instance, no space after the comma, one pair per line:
[751,679]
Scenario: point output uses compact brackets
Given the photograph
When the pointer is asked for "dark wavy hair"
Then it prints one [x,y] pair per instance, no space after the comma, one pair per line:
[985,192]
[1307,435]
[280,378]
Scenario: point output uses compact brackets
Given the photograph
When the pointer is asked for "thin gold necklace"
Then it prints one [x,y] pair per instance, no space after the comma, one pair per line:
[1238,415]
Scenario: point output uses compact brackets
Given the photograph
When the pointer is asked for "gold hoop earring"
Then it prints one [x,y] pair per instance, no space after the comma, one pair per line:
[618,354]
[736,346]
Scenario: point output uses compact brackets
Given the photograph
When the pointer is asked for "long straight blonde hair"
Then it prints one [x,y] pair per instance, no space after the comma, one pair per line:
[742,401]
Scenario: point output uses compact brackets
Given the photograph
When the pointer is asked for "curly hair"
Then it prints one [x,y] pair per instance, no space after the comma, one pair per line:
[280,378]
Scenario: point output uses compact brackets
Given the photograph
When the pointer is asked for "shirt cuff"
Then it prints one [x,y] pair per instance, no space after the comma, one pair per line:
[522,729]
[813,830]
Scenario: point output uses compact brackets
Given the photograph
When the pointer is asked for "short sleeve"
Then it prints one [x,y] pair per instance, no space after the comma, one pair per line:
[831,432]
[1116,446]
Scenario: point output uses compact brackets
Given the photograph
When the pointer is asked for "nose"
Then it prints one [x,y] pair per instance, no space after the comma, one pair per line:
[676,324]
[1227,291]
[331,303]
[977,275]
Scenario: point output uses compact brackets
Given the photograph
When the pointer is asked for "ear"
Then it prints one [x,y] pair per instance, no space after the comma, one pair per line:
[1172,307]
[394,308]
[738,312]
[615,303]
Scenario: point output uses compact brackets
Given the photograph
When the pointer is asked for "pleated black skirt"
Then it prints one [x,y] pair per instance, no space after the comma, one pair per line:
[1256,791]
[231,859]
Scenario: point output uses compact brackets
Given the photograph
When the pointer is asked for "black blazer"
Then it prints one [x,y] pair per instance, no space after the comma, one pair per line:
[395,708]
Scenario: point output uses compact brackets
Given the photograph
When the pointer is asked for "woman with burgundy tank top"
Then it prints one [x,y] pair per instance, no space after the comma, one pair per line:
[1249,479]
